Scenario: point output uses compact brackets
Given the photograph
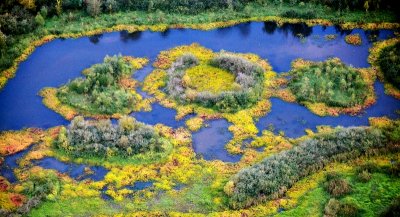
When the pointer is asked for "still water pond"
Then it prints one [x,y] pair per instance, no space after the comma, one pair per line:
[54,63]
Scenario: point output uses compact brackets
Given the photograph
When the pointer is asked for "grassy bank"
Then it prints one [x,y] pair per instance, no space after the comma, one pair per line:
[76,24]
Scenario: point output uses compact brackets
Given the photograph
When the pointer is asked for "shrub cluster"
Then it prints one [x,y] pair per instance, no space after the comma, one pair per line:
[389,62]
[330,82]
[336,208]
[337,186]
[100,92]
[248,75]
[271,178]
[101,138]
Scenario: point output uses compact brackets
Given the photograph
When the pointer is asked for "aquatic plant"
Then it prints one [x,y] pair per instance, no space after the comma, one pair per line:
[101,138]
[354,39]
[260,181]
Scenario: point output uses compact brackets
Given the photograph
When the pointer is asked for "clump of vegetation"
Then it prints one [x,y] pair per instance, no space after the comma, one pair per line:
[354,39]
[336,208]
[392,210]
[37,188]
[336,186]
[296,14]
[272,177]
[389,63]
[102,138]
[105,90]
[235,82]
[330,82]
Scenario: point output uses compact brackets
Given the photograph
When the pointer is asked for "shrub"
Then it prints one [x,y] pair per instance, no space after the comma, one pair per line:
[332,208]
[354,39]
[364,176]
[337,187]
[392,210]
[330,82]
[271,178]
[93,7]
[101,138]
[348,209]
[389,63]
[39,20]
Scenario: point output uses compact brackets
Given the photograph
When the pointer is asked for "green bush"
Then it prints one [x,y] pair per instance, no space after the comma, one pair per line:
[330,82]
[389,62]
[364,176]
[271,178]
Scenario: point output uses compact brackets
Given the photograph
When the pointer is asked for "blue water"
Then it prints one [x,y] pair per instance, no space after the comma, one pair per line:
[58,61]
[139,185]
[209,142]
[76,171]
[10,163]
[160,114]
[293,118]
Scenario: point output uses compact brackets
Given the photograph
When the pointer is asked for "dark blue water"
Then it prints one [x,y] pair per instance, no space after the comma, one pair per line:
[293,118]
[140,185]
[54,63]
[209,142]
[160,115]
[10,163]
[76,171]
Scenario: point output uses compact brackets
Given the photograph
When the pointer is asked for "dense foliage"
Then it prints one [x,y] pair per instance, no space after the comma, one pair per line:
[101,92]
[248,77]
[101,138]
[330,82]
[389,62]
[272,177]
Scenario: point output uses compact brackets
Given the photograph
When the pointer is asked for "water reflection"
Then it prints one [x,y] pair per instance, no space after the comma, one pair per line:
[130,36]
[95,38]
[270,27]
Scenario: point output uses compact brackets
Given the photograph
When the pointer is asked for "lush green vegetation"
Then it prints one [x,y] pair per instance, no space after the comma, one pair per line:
[389,63]
[248,82]
[330,82]
[271,178]
[101,91]
[101,138]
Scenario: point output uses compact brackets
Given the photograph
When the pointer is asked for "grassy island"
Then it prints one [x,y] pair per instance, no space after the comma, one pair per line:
[108,90]
[331,87]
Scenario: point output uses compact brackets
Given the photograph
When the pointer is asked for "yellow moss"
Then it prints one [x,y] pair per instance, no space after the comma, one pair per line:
[51,101]
[194,124]
[208,78]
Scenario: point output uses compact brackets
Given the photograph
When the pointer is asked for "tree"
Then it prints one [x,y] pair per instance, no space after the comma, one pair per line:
[59,7]
[39,20]
[93,7]
[3,40]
